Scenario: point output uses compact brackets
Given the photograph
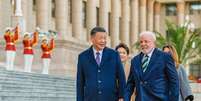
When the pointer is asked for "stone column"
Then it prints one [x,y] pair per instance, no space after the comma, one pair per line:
[77,18]
[103,18]
[17,18]
[134,21]
[42,16]
[150,14]
[143,15]
[114,26]
[61,18]
[91,16]
[157,11]
[27,11]
[18,8]
[181,12]
[125,22]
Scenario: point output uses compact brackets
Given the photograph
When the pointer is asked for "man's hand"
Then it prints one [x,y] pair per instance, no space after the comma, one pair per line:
[189,98]
[121,99]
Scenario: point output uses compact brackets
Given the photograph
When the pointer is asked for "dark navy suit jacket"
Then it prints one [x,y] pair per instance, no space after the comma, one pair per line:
[100,83]
[158,83]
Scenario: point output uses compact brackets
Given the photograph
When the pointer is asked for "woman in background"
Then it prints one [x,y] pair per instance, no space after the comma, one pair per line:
[185,90]
[124,55]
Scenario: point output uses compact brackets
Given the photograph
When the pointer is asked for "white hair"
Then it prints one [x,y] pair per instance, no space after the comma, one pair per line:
[27,33]
[152,34]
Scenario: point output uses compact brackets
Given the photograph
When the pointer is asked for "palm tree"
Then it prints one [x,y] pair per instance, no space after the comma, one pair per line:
[186,41]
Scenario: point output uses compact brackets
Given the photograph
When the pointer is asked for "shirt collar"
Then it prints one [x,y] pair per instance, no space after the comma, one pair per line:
[151,52]
[95,51]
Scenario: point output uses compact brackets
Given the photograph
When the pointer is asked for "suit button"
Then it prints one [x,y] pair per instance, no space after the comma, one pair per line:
[141,82]
[99,92]
[145,82]
[99,71]
[99,81]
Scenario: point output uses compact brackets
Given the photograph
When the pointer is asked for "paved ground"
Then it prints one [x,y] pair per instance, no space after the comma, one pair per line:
[196,88]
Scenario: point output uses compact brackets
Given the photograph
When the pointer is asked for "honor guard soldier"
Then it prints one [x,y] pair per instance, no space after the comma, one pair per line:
[46,53]
[11,36]
[28,43]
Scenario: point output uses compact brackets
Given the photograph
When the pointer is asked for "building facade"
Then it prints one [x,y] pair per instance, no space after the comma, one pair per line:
[73,19]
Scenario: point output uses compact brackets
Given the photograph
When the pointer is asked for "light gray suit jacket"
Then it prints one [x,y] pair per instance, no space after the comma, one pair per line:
[185,89]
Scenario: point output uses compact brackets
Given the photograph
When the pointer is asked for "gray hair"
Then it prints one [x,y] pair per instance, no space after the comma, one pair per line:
[152,34]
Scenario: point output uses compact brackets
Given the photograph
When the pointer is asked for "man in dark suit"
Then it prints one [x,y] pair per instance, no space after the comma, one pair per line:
[100,74]
[152,73]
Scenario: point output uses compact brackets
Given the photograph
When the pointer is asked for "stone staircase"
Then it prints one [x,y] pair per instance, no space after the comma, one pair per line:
[21,86]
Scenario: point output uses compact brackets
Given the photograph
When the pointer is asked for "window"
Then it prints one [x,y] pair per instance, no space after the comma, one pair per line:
[84,14]
[70,10]
[53,8]
[195,7]
[109,24]
[195,70]
[120,27]
[97,16]
[171,9]
[34,5]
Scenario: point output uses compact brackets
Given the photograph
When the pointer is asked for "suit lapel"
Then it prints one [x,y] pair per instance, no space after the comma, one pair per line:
[138,64]
[105,56]
[151,62]
[91,56]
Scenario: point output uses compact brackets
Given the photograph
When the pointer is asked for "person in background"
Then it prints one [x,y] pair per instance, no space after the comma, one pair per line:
[46,53]
[124,55]
[28,43]
[185,93]
[11,38]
